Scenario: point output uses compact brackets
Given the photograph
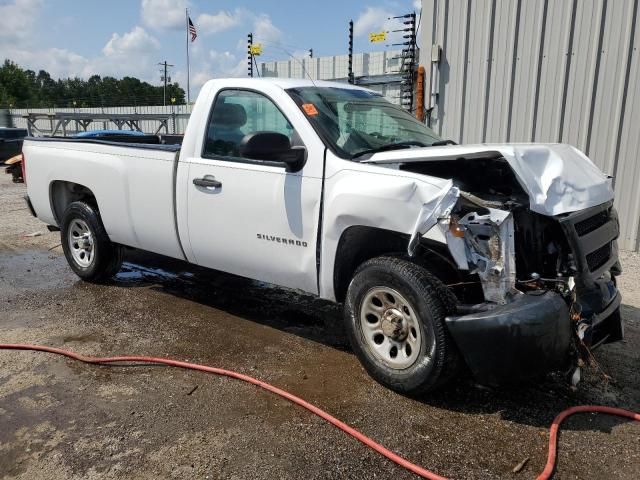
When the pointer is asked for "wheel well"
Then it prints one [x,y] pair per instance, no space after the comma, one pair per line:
[64,194]
[359,244]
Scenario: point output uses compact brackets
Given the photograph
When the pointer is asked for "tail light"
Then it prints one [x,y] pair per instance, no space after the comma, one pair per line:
[23,166]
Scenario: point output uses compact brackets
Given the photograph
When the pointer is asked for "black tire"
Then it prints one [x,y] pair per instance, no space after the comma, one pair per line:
[430,300]
[106,257]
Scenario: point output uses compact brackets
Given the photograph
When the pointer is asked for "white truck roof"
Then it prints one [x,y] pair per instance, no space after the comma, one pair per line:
[284,83]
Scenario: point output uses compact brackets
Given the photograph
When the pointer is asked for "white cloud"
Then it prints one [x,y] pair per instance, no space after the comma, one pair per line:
[261,25]
[417,4]
[206,65]
[137,41]
[60,63]
[129,54]
[226,64]
[212,64]
[18,42]
[164,14]
[219,22]
[373,19]
[265,30]
[226,56]
[18,17]
[200,77]
[300,54]
[136,52]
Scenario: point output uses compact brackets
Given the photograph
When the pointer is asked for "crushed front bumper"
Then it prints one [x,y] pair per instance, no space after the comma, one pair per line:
[528,336]
[532,335]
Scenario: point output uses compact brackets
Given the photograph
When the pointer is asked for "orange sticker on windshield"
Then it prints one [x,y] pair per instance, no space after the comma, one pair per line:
[309,109]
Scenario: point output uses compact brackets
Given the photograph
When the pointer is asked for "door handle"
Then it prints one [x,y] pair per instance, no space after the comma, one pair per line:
[207,181]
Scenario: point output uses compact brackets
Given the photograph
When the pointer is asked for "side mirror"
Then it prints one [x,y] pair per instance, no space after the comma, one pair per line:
[275,147]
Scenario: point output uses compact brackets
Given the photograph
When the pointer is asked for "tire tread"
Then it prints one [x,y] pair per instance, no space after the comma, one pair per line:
[440,302]
[109,255]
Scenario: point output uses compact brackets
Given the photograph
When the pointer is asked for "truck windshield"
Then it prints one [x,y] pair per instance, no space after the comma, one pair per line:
[357,122]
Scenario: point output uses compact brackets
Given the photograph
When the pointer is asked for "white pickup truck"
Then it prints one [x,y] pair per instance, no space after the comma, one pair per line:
[502,257]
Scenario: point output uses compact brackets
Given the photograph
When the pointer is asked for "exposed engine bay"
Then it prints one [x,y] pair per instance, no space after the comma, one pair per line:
[501,234]
[493,234]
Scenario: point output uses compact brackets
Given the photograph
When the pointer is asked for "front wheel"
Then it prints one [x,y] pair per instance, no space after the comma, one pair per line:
[395,313]
[87,247]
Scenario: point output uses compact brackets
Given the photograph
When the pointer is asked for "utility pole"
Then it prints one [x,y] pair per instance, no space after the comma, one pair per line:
[250,54]
[350,77]
[166,79]
[311,53]
[407,59]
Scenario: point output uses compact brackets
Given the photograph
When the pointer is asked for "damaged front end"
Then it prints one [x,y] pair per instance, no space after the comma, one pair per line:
[483,242]
[480,238]
[547,292]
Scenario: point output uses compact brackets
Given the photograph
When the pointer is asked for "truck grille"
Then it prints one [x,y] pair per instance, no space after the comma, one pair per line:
[599,257]
[592,235]
[592,223]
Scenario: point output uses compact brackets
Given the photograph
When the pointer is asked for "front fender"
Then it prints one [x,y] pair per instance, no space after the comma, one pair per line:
[375,197]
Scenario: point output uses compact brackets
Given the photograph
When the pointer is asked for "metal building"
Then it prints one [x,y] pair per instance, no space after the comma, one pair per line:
[541,71]
[379,71]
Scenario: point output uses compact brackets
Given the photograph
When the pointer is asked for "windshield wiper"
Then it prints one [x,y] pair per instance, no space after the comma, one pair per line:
[390,146]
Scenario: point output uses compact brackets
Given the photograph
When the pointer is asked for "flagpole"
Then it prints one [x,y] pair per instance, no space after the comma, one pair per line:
[186,12]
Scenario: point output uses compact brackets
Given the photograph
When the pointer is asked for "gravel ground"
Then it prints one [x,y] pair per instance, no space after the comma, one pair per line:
[62,419]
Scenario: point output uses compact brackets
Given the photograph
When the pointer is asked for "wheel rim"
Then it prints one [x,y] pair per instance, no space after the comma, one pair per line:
[390,328]
[81,242]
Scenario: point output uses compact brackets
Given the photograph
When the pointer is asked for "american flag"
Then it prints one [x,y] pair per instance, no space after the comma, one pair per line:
[192,30]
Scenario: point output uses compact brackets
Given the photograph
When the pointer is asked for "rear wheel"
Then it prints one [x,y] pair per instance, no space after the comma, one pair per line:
[87,247]
[395,313]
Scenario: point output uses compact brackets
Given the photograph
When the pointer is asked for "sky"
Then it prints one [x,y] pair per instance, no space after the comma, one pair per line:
[70,38]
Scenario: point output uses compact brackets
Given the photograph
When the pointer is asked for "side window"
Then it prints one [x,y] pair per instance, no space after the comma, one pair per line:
[237,113]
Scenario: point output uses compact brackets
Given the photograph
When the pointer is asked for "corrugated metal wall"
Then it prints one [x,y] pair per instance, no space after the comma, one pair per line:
[542,71]
[334,67]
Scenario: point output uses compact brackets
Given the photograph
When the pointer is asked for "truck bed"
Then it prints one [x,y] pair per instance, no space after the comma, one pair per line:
[134,184]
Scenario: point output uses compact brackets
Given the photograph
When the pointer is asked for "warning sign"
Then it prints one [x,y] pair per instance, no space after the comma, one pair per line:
[375,37]
[256,49]
[310,109]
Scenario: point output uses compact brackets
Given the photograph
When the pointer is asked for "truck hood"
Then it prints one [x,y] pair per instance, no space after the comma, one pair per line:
[558,178]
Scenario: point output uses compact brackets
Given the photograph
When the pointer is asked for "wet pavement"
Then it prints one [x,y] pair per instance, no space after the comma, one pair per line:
[63,419]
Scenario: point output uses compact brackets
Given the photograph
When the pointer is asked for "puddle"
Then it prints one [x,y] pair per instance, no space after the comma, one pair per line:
[132,273]
[263,303]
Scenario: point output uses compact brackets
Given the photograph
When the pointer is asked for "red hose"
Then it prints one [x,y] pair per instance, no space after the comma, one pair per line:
[555,428]
[412,467]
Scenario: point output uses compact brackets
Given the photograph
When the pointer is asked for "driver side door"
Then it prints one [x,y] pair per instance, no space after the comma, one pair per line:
[252,217]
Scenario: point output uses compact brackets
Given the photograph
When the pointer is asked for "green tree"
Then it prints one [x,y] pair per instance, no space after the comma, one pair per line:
[22,88]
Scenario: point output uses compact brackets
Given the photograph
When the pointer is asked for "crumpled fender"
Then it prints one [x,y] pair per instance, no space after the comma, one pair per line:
[435,209]
[401,202]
